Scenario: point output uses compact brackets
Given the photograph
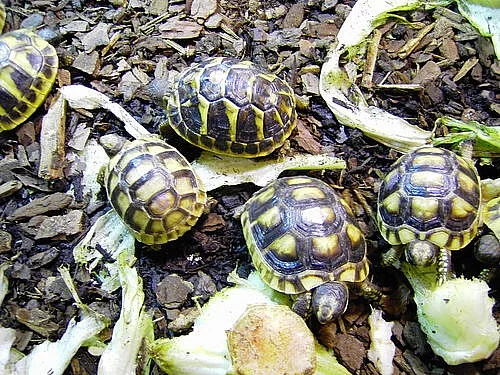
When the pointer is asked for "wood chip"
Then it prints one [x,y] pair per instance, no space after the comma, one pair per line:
[350,350]
[39,206]
[449,49]
[87,63]
[429,73]
[173,291]
[212,222]
[98,36]
[10,187]
[180,29]
[310,82]
[306,140]
[64,225]
[5,241]
[37,320]
[43,258]
[295,16]
[79,137]
[203,8]
[468,65]
[411,44]
[52,141]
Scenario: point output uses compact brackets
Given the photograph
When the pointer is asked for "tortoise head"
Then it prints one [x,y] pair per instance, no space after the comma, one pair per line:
[421,253]
[329,301]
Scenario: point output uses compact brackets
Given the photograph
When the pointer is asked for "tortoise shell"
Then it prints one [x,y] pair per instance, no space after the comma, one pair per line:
[154,190]
[430,194]
[28,67]
[301,234]
[2,16]
[232,107]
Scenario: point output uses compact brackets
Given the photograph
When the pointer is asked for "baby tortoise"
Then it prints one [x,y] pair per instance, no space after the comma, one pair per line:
[428,204]
[304,241]
[231,107]
[28,68]
[154,190]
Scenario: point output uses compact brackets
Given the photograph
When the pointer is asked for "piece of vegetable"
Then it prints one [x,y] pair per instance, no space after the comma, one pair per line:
[270,339]
[124,354]
[132,331]
[486,139]
[52,357]
[4,282]
[455,316]
[79,96]
[110,236]
[219,170]
[491,215]
[204,351]
[382,349]
[484,15]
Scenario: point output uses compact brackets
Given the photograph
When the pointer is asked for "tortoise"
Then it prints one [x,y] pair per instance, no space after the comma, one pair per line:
[28,68]
[487,249]
[428,204]
[231,107]
[304,241]
[154,190]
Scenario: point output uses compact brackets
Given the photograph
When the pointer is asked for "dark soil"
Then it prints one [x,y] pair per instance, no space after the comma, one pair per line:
[292,36]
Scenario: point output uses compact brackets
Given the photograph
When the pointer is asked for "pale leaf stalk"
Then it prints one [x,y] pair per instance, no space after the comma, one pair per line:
[53,357]
[132,329]
[220,170]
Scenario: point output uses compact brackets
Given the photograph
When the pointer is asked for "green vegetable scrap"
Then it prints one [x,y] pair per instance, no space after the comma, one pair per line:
[455,316]
[486,139]
[485,16]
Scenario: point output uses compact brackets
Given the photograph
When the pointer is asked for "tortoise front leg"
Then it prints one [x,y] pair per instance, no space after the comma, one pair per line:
[443,265]
[302,304]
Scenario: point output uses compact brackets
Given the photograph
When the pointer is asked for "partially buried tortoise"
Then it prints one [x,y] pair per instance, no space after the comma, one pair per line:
[231,107]
[304,241]
[428,204]
[154,190]
[28,68]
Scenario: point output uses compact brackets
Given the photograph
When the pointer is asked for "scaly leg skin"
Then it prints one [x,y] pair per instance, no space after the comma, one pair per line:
[444,265]
[391,256]
[371,291]
[302,304]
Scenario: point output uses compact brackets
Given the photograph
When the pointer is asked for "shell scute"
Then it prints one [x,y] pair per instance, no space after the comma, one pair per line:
[300,235]
[154,190]
[430,194]
[232,107]
[28,67]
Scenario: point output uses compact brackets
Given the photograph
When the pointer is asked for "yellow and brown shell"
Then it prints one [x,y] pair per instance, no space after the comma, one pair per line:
[28,67]
[301,234]
[232,107]
[430,194]
[154,190]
